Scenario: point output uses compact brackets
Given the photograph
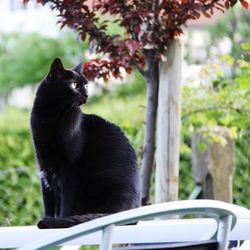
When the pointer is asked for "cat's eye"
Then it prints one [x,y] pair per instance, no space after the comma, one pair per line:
[74,85]
[85,86]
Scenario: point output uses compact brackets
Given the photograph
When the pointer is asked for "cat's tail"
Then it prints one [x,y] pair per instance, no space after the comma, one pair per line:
[51,222]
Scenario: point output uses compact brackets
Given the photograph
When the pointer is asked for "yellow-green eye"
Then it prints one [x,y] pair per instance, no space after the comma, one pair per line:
[73,85]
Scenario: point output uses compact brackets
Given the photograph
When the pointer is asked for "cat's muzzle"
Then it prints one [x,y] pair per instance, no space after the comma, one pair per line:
[82,99]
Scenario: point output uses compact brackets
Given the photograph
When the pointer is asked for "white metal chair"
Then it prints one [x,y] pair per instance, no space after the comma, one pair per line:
[115,229]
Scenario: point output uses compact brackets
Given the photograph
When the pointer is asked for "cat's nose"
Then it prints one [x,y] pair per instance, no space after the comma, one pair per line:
[84,92]
[83,98]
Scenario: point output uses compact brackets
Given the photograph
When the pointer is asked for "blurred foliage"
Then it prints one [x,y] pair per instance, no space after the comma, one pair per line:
[223,101]
[20,201]
[24,59]
[235,26]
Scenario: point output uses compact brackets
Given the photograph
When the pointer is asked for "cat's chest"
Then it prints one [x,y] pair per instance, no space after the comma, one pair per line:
[58,148]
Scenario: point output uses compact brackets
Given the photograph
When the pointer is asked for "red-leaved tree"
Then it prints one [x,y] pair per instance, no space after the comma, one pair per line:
[149,26]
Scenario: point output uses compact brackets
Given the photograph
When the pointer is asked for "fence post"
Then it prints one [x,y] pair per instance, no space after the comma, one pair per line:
[213,166]
[168,124]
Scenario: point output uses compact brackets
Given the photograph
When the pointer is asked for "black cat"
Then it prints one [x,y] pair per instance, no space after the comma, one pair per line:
[88,168]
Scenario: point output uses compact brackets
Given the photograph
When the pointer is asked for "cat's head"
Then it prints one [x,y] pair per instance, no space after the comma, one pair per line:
[66,84]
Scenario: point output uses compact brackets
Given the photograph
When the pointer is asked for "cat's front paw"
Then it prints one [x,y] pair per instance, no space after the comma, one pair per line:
[46,222]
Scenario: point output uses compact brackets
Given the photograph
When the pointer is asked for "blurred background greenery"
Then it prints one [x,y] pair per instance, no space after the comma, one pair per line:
[217,93]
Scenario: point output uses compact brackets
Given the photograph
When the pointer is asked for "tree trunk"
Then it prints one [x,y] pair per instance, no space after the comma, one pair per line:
[152,79]
[169,124]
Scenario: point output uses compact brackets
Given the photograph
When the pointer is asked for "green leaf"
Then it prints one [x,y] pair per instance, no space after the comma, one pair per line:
[228,59]
[245,46]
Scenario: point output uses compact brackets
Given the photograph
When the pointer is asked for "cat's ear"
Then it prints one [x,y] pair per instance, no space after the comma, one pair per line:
[56,68]
[78,68]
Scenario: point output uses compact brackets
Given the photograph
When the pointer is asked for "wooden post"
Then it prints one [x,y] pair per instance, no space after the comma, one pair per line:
[168,124]
[213,166]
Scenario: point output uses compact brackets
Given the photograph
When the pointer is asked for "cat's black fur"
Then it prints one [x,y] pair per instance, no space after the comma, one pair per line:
[88,168]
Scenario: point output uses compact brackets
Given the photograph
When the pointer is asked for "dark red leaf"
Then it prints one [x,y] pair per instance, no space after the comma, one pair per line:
[129,70]
[244,4]
[227,5]
[206,14]
[137,29]
[42,1]
[132,46]
[83,36]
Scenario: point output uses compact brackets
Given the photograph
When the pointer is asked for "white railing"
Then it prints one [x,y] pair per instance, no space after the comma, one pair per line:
[227,222]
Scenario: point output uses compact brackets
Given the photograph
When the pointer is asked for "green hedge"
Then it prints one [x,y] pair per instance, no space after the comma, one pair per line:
[20,202]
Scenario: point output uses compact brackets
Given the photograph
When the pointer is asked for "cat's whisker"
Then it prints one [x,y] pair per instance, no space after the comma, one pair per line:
[63,110]
[74,110]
